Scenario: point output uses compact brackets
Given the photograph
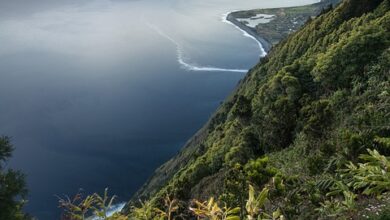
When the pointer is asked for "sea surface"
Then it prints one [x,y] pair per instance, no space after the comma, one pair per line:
[99,93]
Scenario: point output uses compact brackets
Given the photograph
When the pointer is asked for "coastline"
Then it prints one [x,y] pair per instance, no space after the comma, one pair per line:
[167,170]
[187,65]
[264,45]
[286,20]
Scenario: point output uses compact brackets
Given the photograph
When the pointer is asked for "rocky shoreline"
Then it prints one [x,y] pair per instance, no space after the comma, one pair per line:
[265,44]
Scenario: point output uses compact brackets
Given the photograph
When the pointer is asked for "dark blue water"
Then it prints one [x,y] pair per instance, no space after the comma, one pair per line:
[93,93]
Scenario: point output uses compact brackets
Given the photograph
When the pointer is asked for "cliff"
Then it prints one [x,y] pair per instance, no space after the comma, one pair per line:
[319,99]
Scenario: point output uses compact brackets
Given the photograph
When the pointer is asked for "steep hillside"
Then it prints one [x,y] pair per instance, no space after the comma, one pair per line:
[319,99]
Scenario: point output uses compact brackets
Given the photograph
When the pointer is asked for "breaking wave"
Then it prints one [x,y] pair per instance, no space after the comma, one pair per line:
[194,67]
[189,66]
[224,19]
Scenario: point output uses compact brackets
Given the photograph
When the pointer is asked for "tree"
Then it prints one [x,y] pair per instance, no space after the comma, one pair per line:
[12,185]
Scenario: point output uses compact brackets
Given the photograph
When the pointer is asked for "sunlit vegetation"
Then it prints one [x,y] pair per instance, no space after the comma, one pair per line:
[211,210]
[370,177]
[94,206]
[306,135]
[146,211]
[299,124]
[81,207]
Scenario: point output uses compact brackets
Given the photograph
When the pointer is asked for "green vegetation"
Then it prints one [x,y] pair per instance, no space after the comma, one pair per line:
[339,199]
[373,177]
[306,135]
[298,124]
[211,210]
[80,207]
[95,206]
[12,186]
